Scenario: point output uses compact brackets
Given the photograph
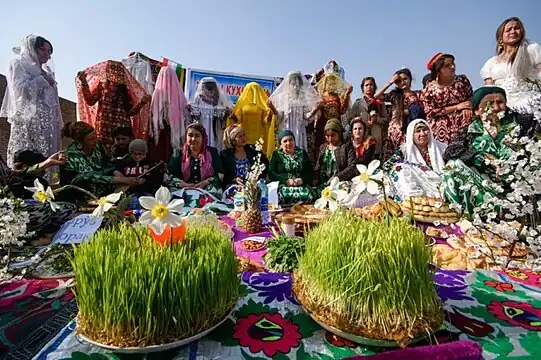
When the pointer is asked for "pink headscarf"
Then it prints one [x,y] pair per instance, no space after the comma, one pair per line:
[168,106]
[204,155]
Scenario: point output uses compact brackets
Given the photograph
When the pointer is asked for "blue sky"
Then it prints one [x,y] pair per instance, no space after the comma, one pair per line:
[266,38]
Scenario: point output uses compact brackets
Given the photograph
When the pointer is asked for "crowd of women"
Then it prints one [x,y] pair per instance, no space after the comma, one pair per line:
[140,132]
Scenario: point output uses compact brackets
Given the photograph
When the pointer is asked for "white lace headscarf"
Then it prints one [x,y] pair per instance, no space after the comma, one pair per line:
[25,81]
[295,89]
[222,101]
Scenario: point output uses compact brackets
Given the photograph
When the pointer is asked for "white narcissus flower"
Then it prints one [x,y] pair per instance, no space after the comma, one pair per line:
[365,180]
[106,203]
[42,195]
[331,196]
[161,211]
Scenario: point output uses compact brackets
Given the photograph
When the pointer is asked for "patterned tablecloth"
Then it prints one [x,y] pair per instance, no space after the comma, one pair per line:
[501,311]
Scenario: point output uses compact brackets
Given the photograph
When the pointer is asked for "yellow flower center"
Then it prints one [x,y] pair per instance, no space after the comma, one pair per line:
[364,177]
[41,196]
[102,201]
[326,193]
[159,211]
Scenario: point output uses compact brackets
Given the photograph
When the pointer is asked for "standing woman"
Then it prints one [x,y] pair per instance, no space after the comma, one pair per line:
[335,93]
[107,97]
[517,59]
[401,98]
[31,101]
[446,98]
[373,113]
[294,103]
[210,107]
[251,113]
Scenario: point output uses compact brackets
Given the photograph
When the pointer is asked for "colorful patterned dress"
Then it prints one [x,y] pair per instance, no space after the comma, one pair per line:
[107,96]
[93,172]
[468,181]
[410,179]
[327,165]
[435,100]
[396,135]
[283,167]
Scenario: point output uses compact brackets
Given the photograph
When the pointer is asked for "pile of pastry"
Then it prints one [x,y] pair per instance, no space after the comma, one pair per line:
[379,209]
[429,210]
[449,258]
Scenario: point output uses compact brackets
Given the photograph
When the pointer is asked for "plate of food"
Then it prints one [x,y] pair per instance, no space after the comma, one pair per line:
[247,265]
[253,243]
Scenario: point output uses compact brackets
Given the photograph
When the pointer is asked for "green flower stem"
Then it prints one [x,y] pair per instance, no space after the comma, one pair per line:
[67,187]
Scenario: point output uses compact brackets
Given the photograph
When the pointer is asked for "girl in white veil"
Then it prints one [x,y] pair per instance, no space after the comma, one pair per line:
[210,107]
[294,103]
[31,102]
[516,64]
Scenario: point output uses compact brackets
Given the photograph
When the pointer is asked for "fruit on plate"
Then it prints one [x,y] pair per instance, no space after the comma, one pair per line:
[252,245]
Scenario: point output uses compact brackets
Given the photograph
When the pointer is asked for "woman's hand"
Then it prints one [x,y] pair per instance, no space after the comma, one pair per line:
[349,90]
[81,75]
[56,159]
[467,114]
[202,184]
[394,79]
[298,182]
[290,182]
[239,181]
[466,105]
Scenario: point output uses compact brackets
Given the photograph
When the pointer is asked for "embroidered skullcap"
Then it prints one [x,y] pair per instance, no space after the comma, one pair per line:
[432,60]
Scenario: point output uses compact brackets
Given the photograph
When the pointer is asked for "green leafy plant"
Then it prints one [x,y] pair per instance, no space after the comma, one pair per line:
[138,293]
[369,278]
[283,253]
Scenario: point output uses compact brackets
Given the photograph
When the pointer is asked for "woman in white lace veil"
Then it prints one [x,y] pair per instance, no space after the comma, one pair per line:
[295,103]
[516,64]
[210,107]
[31,102]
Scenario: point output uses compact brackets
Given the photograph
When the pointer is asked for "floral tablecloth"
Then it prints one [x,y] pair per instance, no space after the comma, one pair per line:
[31,313]
[501,311]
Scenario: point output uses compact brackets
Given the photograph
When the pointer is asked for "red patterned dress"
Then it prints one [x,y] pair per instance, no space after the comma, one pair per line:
[396,136]
[435,100]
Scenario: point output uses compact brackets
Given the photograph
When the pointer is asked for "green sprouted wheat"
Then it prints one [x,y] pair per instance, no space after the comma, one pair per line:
[139,295]
[370,278]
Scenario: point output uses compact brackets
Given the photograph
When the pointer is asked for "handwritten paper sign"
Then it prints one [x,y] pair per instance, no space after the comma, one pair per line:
[78,229]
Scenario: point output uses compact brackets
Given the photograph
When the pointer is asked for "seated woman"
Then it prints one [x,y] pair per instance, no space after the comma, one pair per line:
[469,179]
[196,164]
[335,158]
[365,146]
[42,219]
[416,167]
[291,167]
[238,157]
[89,165]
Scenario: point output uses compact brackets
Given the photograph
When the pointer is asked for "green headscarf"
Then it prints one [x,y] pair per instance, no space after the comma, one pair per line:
[334,125]
[285,133]
[483,91]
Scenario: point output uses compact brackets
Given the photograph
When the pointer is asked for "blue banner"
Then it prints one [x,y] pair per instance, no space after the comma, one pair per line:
[231,84]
